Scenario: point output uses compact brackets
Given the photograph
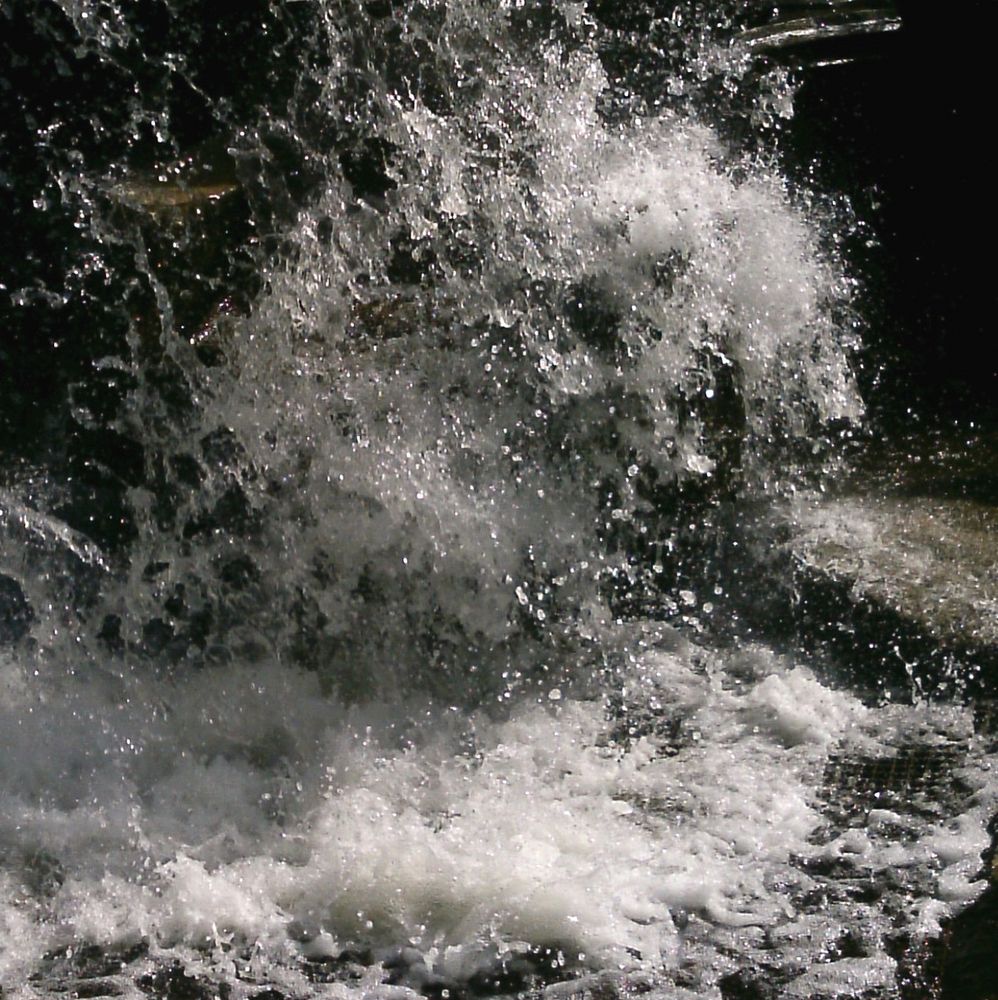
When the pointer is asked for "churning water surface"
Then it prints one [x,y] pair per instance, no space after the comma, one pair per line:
[404,650]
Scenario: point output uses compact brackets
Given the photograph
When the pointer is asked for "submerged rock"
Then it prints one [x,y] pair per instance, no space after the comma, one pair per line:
[156,196]
[897,572]
[905,591]
[933,562]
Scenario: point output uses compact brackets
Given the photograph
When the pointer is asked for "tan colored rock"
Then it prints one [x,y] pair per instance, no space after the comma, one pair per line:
[933,561]
[172,196]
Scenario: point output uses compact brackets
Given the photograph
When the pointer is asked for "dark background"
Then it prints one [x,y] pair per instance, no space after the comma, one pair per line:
[906,132]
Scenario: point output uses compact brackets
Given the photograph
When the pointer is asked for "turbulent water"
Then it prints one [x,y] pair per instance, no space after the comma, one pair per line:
[390,635]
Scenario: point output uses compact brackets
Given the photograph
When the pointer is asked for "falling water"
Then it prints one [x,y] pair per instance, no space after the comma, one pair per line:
[365,605]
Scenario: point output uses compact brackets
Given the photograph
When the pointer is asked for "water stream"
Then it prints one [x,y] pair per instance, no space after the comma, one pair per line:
[366,549]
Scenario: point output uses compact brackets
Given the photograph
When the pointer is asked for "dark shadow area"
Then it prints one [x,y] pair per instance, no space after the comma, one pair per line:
[902,133]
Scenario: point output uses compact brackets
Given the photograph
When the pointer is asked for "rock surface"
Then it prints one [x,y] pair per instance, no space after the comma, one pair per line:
[932,562]
[900,566]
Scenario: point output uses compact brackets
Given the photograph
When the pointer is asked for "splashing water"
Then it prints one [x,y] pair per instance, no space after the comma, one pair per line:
[591,315]
[357,671]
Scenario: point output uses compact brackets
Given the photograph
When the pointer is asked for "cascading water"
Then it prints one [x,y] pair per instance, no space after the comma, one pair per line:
[352,584]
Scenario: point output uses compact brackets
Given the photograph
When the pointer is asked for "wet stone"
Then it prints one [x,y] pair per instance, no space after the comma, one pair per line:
[90,961]
[749,984]
[920,964]
[855,978]
[909,582]
[348,966]
[920,778]
[600,986]
[970,965]
[16,615]
[96,988]
[173,983]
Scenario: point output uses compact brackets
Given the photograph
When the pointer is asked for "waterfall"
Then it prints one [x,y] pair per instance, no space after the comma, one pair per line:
[385,382]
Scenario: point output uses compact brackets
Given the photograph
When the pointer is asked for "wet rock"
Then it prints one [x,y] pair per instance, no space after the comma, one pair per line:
[16,615]
[749,984]
[87,970]
[349,965]
[96,988]
[920,964]
[908,584]
[173,983]
[600,986]
[970,965]
[818,33]
[933,562]
[902,563]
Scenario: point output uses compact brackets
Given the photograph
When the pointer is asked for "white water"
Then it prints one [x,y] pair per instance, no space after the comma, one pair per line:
[473,765]
[248,809]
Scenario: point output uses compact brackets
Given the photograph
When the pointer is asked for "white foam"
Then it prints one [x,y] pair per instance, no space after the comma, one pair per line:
[797,709]
[848,977]
[536,830]
[248,808]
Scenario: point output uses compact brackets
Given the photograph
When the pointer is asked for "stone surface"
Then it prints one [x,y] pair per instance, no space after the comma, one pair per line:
[895,567]
[934,562]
